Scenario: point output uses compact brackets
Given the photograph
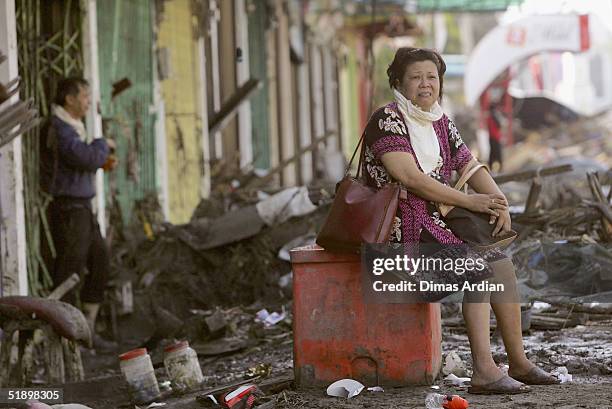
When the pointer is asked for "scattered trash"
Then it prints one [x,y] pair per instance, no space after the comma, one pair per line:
[270,319]
[345,388]
[286,280]
[434,387]
[220,346]
[438,401]
[540,306]
[156,405]
[262,370]
[183,368]
[453,364]
[241,398]
[138,371]
[278,208]
[376,389]
[208,401]
[165,387]
[457,381]
[216,323]
[563,375]
[299,241]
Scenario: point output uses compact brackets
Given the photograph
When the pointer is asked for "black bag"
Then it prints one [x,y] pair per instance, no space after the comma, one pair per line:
[472,227]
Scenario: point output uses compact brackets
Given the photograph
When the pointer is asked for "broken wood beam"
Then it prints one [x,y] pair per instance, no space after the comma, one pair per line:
[229,109]
[604,209]
[530,174]
[532,198]
[548,321]
[284,163]
[602,204]
[64,287]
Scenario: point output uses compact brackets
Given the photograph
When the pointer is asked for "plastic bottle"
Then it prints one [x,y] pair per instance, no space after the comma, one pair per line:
[138,371]
[437,401]
[183,367]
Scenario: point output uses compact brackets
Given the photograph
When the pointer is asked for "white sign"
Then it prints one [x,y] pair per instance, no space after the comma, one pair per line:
[507,44]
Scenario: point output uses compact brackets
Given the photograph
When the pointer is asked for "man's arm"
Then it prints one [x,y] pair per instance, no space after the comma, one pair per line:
[78,154]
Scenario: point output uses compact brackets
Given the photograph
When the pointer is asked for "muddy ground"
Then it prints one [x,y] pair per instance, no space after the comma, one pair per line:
[585,350]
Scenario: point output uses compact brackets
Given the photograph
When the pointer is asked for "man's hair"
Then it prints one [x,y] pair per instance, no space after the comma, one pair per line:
[69,86]
[408,55]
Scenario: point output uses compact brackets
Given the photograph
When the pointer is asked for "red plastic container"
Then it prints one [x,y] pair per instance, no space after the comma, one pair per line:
[336,335]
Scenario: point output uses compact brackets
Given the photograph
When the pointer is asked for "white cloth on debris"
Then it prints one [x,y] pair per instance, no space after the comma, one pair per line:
[421,132]
[288,203]
[77,124]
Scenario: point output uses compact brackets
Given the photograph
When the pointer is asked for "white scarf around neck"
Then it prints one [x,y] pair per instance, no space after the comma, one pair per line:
[77,124]
[422,135]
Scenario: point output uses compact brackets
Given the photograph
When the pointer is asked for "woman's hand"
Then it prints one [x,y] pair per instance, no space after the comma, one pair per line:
[504,223]
[493,203]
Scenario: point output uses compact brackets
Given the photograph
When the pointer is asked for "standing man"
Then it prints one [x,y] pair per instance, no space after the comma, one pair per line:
[68,168]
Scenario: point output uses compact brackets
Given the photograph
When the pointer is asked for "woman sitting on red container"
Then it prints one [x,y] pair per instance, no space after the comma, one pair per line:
[413,142]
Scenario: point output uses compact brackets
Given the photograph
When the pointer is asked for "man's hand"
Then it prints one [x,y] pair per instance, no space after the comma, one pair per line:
[111,163]
[111,144]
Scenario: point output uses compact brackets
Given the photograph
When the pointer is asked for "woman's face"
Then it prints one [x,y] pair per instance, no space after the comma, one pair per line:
[421,84]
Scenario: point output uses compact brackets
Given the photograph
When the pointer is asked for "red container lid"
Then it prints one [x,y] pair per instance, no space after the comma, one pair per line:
[133,354]
[176,346]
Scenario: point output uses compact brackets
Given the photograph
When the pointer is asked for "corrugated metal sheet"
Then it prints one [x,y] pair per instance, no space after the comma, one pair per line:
[180,91]
[125,50]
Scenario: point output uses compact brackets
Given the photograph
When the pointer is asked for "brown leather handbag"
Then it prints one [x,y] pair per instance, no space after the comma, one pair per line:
[359,213]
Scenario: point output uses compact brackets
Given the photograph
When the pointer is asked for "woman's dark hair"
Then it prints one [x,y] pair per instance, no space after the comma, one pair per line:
[408,55]
[69,86]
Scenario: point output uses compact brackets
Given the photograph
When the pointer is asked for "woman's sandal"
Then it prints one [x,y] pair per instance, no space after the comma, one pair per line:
[503,386]
[537,376]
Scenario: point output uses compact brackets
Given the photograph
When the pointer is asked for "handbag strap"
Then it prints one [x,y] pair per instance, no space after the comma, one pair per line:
[361,155]
[403,193]
[468,174]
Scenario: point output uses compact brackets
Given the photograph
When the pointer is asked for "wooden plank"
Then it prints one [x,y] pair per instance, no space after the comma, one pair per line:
[304,119]
[532,197]
[55,356]
[273,143]
[64,287]
[227,67]
[602,204]
[284,163]
[530,174]
[73,363]
[13,263]
[230,108]
[285,96]
[245,133]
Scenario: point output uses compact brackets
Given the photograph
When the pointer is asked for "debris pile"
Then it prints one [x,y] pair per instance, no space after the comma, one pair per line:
[564,220]
[220,259]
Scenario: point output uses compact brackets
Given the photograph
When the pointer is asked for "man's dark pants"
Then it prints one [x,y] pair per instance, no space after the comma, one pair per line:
[79,244]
